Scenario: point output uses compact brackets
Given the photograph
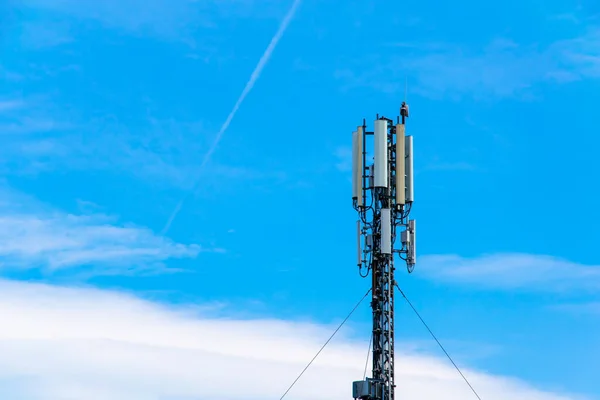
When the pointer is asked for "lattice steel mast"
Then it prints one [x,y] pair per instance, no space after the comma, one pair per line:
[383,193]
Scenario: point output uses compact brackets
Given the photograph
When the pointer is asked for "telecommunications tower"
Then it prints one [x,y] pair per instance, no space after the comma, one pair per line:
[382,194]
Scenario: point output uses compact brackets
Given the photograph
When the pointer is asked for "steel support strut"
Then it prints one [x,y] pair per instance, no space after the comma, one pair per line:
[382,269]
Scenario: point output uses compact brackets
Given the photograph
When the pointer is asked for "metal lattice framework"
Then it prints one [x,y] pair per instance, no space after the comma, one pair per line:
[383,196]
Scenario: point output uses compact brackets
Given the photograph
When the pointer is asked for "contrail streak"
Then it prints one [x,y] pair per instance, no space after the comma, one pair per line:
[249,85]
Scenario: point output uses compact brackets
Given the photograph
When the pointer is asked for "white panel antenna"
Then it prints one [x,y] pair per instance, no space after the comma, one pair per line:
[355,171]
[412,245]
[410,195]
[381,154]
[358,245]
[359,165]
[400,165]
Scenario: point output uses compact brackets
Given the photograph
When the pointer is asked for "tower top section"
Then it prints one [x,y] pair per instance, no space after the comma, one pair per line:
[383,195]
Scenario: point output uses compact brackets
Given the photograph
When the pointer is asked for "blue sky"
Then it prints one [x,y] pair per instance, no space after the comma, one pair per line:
[108,110]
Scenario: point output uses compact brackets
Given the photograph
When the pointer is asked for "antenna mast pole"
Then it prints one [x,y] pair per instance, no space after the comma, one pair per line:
[382,194]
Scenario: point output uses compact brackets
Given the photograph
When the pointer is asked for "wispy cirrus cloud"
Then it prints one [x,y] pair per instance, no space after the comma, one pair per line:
[96,344]
[11,104]
[35,35]
[503,68]
[33,235]
[343,156]
[584,309]
[451,166]
[512,271]
[437,163]
[19,116]
[157,17]
[9,75]
[164,19]
[582,54]
[41,138]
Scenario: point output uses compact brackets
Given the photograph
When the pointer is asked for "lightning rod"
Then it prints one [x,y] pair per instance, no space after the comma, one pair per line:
[382,194]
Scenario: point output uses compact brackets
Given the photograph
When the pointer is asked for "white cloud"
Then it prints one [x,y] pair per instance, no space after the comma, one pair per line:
[73,343]
[32,235]
[512,271]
